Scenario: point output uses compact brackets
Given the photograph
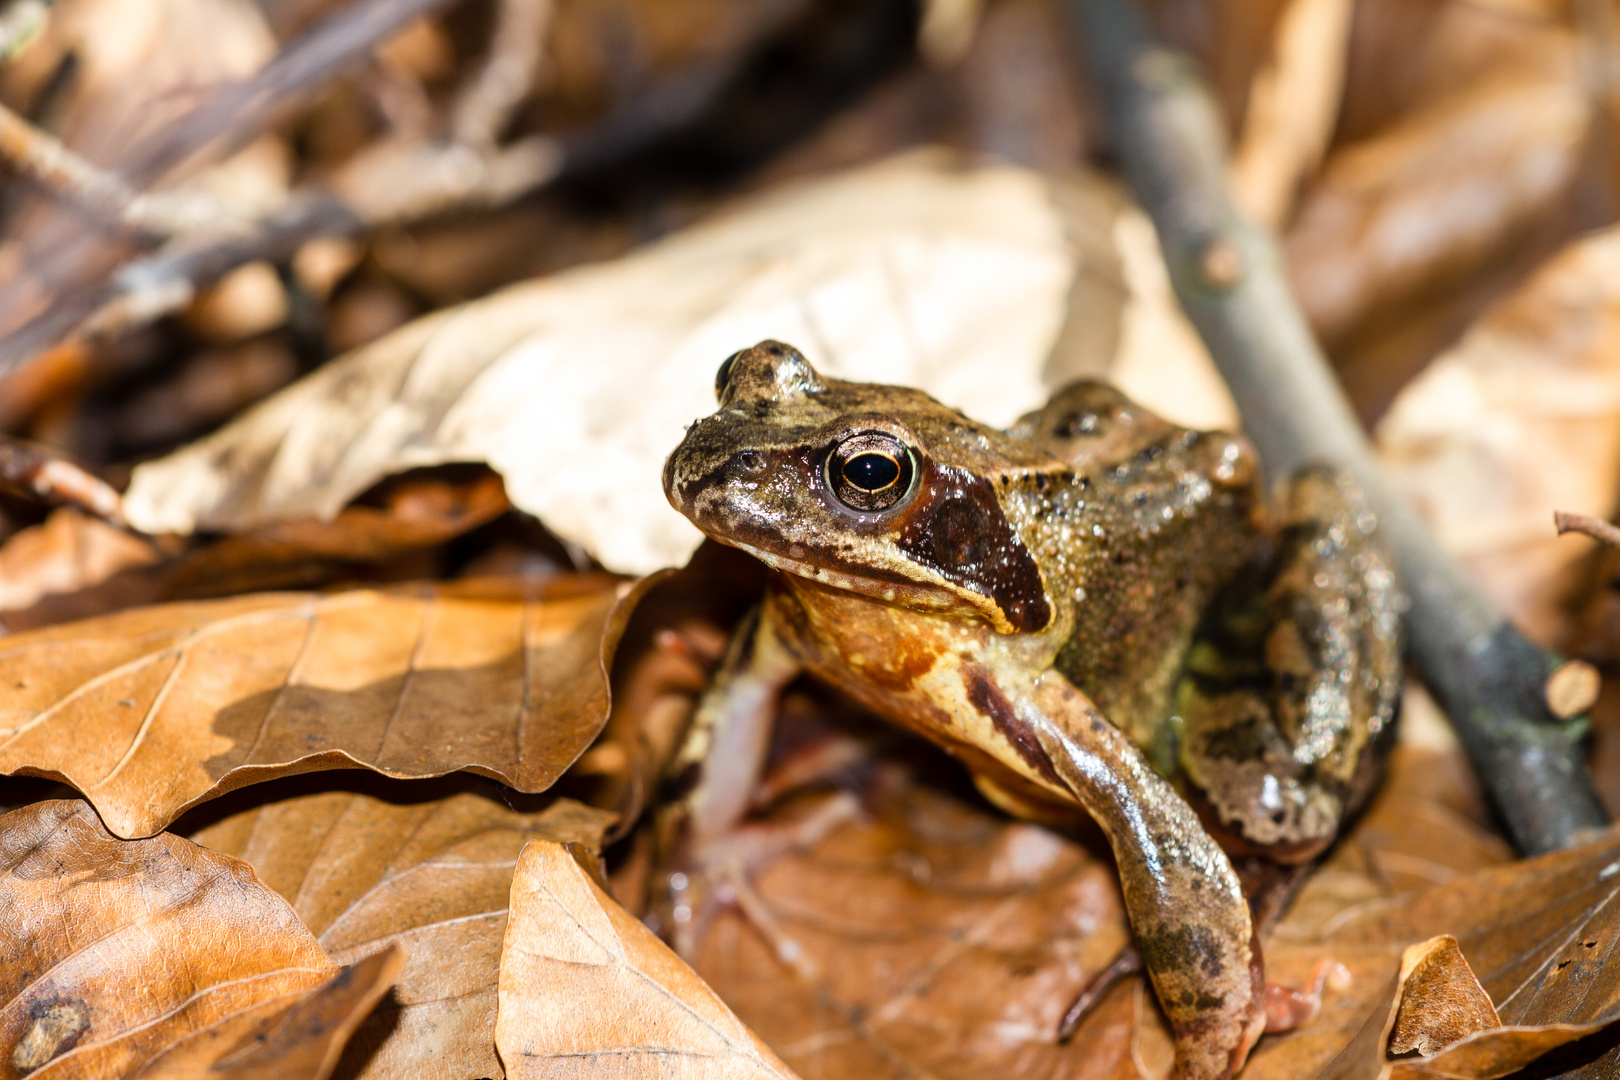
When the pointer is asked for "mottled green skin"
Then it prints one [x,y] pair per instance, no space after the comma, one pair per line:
[1077,607]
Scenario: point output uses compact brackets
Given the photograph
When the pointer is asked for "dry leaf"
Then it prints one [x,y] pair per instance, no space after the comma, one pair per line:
[1437,1022]
[420,514]
[151,711]
[1293,107]
[117,953]
[983,284]
[1432,198]
[304,1041]
[68,553]
[1521,418]
[433,875]
[1538,932]
[939,940]
[586,990]
[1440,999]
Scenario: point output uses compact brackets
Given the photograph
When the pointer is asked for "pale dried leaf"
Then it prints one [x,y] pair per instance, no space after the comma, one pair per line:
[586,989]
[1293,106]
[1520,419]
[435,876]
[154,710]
[983,284]
[117,952]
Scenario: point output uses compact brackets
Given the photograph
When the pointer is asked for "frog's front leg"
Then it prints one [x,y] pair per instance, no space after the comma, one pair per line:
[708,850]
[1186,905]
[730,732]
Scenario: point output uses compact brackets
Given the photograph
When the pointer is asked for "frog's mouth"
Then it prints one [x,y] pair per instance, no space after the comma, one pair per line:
[892,589]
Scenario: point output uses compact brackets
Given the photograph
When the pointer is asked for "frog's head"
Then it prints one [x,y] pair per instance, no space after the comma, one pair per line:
[879,490]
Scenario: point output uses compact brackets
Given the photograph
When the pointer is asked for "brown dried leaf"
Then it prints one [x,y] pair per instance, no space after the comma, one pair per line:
[941,939]
[151,711]
[1440,1000]
[1541,933]
[938,940]
[984,284]
[304,1041]
[434,875]
[68,553]
[294,554]
[586,988]
[119,953]
[1434,197]
[1520,419]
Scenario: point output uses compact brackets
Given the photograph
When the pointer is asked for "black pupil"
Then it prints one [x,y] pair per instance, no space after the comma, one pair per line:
[871,472]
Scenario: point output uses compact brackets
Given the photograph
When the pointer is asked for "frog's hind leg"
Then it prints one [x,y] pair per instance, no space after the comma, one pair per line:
[1290,693]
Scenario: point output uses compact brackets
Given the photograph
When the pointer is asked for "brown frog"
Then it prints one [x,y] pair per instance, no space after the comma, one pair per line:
[1078,608]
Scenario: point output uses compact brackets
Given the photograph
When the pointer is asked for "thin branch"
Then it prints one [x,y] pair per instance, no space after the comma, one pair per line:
[240,112]
[508,75]
[1491,680]
[48,476]
[44,159]
[1596,528]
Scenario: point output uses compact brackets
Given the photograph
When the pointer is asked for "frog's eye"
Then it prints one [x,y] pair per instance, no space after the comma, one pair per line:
[870,472]
[722,378]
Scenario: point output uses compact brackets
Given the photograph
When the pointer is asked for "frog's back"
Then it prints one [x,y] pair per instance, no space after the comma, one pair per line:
[1156,519]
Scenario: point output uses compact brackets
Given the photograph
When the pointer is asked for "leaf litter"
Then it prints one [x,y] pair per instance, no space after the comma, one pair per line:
[929,935]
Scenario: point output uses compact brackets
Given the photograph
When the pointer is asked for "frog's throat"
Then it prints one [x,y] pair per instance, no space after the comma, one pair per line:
[943,597]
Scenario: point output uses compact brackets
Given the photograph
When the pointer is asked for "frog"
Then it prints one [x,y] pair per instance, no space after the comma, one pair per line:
[1098,612]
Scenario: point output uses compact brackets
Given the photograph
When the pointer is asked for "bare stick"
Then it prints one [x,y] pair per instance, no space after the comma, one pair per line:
[240,112]
[43,158]
[508,75]
[1226,273]
[1596,528]
[39,472]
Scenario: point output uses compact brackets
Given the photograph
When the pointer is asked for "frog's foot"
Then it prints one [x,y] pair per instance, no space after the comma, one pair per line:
[1287,1008]
[1125,963]
[717,876]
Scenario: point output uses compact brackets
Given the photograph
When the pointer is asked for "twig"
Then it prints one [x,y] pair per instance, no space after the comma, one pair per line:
[1596,528]
[1491,680]
[508,75]
[240,112]
[39,472]
[43,158]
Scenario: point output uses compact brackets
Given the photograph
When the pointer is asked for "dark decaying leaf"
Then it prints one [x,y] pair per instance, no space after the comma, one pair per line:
[586,990]
[419,868]
[119,954]
[151,711]
[1540,935]
[1441,1001]
[938,939]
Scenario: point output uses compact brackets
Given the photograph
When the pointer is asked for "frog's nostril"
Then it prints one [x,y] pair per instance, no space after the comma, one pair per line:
[751,462]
